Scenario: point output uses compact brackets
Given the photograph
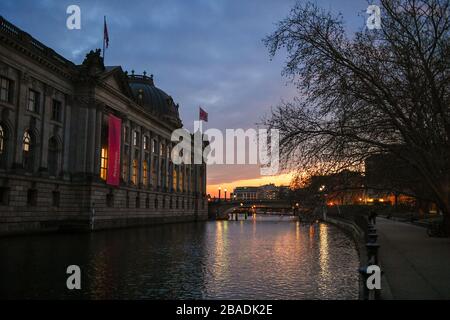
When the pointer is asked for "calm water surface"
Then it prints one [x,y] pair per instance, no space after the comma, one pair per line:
[267,258]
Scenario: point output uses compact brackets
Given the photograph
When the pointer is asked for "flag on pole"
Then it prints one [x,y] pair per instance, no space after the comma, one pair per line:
[203,115]
[105,34]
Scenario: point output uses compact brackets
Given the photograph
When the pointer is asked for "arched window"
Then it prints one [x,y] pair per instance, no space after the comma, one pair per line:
[3,147]
[53,157]
[27,152]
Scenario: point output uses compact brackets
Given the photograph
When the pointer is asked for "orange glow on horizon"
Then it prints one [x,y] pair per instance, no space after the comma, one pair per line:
[282,179]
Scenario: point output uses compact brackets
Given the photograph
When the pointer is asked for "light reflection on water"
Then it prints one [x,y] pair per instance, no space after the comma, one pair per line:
[253,259]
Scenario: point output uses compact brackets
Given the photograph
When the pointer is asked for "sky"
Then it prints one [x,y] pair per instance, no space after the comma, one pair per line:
[205,53]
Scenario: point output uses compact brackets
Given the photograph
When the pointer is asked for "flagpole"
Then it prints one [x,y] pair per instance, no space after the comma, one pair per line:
[104,24]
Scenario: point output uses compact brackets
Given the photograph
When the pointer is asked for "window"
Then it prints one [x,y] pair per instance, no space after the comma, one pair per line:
[27,152]
[53,156]
[56,111]
[110,200]
[5,90]
[3,147]
[138,202]
[174,178]
[135,138]
[153,145]
[125,166]
[4,196]
[55,198]
[125,134]
[145,173]
[154,174]
[181,185]
[33,101]
[161,150]
[32,197]
[104,163]
[2,139]
[146,144]
[135,169]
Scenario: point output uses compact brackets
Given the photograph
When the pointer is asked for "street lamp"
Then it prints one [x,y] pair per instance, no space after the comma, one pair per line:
[225,194]
[220,189]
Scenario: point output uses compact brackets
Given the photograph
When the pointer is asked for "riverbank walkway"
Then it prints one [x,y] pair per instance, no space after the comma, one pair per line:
[415,265]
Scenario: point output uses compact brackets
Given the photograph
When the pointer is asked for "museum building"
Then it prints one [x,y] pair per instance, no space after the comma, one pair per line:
[86,146]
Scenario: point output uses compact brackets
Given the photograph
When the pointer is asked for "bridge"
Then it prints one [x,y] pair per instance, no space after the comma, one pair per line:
[221,209]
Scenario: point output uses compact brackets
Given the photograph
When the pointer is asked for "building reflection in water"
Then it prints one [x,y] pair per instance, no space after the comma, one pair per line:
[220,256]
[250,259]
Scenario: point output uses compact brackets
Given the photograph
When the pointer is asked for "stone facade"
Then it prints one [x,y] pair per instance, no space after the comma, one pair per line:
[53,119]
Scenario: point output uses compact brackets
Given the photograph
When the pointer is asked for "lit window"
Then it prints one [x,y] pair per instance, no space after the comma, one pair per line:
[104,163]
[153,145]
[26,142]
[135,169]
[161,149]
[27,155]
[174,178]
[145,173]
[135,138]
[146,145]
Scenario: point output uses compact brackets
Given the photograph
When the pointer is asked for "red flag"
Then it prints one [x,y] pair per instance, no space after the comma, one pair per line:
[113,173]
[105,34]
[203,115]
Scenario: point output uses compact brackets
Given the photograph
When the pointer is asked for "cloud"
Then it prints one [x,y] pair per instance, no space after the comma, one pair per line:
[202,52]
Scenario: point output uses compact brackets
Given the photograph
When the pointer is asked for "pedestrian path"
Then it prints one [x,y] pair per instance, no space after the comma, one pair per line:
[415,265]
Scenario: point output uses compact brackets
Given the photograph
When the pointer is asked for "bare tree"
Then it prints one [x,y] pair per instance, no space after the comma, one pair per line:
[379,91]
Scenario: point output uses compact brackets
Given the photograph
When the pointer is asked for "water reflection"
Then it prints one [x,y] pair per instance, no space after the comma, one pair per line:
[253,259]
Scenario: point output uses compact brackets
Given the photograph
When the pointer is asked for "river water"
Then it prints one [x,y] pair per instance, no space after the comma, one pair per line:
[263,258]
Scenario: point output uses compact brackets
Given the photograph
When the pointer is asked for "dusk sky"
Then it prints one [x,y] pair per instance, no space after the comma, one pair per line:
[205,53]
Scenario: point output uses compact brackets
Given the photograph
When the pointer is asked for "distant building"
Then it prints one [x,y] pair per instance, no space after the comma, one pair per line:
[265,192]
[268,192]
[245,193]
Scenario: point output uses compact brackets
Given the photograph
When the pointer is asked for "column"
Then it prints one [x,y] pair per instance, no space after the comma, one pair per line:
[98,141]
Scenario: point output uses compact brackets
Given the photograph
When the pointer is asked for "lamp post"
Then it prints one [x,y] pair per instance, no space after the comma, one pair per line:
[225,198]
[220,189]
[324,204]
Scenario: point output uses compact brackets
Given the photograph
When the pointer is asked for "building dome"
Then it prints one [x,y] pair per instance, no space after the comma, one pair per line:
[153,99]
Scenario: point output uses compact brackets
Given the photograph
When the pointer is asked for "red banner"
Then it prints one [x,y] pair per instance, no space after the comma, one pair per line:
[114,134]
